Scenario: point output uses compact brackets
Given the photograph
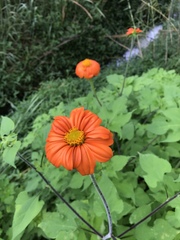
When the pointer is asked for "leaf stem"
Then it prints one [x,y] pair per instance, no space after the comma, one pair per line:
[109,235]
[59,195]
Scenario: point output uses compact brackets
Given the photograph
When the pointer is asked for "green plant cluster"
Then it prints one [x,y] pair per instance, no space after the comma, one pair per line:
[42,41]
[143,173]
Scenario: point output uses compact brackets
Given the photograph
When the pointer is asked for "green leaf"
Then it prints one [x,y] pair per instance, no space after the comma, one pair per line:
[7,125]
[143,230]
[178,179]
[141,197]
[154,168]
[54,223]
[128,131]
[69,235]
[162,230]
[119,122]
[127,185]
[177,237]
[76,181]
[171,95]
[9,153]
[115,79]
[26,209]
[158,125]
[169,123]
[118,162]
[140,213]
[110,193]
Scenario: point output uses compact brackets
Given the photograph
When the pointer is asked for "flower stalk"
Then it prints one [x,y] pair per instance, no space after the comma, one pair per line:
[94,92]
[109,235]
[126,69]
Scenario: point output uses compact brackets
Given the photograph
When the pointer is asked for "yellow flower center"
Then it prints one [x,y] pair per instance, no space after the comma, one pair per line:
[74,137]
[86,62]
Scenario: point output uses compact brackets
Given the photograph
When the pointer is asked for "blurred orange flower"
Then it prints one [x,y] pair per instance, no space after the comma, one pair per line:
[78,142]
[133,31]
[87,68]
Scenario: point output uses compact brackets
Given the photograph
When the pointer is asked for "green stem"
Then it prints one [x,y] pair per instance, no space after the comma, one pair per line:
[126,69]
[109,235]
[94,91]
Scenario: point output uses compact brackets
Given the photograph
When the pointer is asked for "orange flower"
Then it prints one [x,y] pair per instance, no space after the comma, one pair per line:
[133,31]
[78,142]
[87,69]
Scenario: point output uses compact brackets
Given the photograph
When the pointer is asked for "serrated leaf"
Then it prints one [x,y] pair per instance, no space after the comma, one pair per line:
[26,209]
[154,167]
[7,125]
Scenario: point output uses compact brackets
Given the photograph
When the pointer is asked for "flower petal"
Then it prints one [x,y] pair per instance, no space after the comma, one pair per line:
[99,132]
[54,137]
[89,122]
[87,162]
[101,152]
[76,117]
[107,142]
[67,157]
[77,156]
[54,152]
[61,125]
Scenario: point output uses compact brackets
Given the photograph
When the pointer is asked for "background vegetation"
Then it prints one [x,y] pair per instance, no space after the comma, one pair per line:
[41,42]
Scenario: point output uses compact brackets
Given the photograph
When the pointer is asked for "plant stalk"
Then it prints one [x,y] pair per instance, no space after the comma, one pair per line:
[94,91]
[109,235]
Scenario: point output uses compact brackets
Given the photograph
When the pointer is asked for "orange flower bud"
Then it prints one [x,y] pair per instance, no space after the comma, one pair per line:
[87,68]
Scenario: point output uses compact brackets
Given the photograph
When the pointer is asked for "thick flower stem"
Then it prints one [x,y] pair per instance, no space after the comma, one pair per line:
[94,91]
[59,195]
[109,235]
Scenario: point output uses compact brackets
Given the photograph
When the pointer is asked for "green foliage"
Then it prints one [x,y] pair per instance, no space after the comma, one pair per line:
[142,173]
[8,141]
[41,44]
[26,209]
[154,168]
[44,41]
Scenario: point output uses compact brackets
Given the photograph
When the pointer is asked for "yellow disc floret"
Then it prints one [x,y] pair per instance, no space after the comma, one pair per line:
[74,137]
[86,62]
